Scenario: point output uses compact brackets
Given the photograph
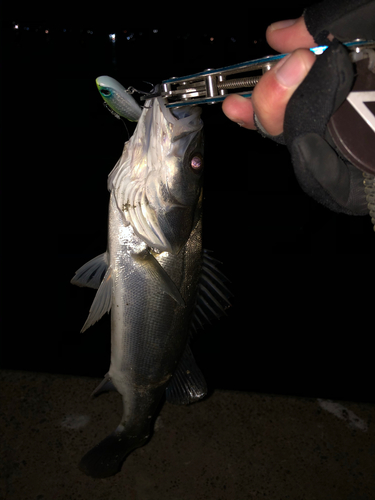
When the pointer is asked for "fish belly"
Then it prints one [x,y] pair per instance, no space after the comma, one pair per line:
[149,333]
[149,329]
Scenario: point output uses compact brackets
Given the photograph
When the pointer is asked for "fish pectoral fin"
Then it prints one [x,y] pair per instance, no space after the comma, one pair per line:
[102,302]
[105,385]
[187,383]
[158,275]
[92,273]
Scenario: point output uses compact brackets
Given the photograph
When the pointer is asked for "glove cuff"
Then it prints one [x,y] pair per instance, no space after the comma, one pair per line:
[336,184]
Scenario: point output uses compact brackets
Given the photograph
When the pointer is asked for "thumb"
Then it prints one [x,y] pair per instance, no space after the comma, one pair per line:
[272,93]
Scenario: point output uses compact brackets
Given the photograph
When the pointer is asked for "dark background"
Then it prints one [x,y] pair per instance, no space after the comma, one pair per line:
[302,276]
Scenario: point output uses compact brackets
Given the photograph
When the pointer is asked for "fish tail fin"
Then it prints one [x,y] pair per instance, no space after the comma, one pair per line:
[107,457]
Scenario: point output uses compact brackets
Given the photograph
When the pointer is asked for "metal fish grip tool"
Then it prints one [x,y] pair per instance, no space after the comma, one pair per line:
[352,126]
[213,85]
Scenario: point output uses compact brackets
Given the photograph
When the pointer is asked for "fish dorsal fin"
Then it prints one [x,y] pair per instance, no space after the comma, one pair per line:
[187,384]
[92,273]
[213,295]
[102,302]
[158,275]
[105,385]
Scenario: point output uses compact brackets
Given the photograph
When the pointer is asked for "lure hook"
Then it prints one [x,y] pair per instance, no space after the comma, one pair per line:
[116,115]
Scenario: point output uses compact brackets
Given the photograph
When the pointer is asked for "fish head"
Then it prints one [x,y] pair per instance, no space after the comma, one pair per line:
[157,182]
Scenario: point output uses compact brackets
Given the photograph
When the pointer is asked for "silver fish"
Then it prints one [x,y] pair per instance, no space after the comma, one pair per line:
[154,277]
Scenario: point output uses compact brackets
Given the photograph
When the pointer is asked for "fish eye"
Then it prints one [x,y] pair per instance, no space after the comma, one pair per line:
[105,92]
[196,162]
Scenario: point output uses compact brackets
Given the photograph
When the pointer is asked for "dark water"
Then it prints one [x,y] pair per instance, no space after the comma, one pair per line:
[300,274]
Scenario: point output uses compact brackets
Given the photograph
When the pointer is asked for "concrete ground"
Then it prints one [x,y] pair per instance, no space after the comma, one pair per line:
[233,445]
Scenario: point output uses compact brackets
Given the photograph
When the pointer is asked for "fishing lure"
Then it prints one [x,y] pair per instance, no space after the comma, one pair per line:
[117,99]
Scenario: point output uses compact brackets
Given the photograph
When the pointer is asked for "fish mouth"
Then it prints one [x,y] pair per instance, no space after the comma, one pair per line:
[164,231]
[150,184]
[144,224]
[157,218]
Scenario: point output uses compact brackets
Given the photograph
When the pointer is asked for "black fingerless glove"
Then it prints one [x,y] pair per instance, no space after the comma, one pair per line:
[321,170]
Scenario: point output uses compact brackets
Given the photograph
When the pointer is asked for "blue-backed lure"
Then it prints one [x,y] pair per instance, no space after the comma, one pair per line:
[118,99]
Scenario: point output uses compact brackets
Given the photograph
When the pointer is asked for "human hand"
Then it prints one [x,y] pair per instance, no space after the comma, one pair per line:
[294,102]
[272,93]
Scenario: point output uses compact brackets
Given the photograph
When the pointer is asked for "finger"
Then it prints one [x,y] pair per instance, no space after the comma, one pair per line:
[239,110]
[289,35]
[272,93]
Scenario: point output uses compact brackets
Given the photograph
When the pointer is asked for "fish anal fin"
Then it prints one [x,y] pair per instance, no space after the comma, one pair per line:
[158,275]
[187,384]
[102,302]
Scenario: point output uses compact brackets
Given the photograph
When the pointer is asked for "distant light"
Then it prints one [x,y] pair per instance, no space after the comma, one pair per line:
[212,39]
[112,37]
[233,39]
[130,36]
[46,32]
[255,41]
[155,31]
[26,28]
[89,32]
[16,27]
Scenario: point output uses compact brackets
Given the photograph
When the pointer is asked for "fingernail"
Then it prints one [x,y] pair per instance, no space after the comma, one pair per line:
[241,124]
[290,71]
[282,24]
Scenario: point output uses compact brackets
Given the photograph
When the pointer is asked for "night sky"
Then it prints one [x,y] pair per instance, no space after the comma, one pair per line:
[300,274]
